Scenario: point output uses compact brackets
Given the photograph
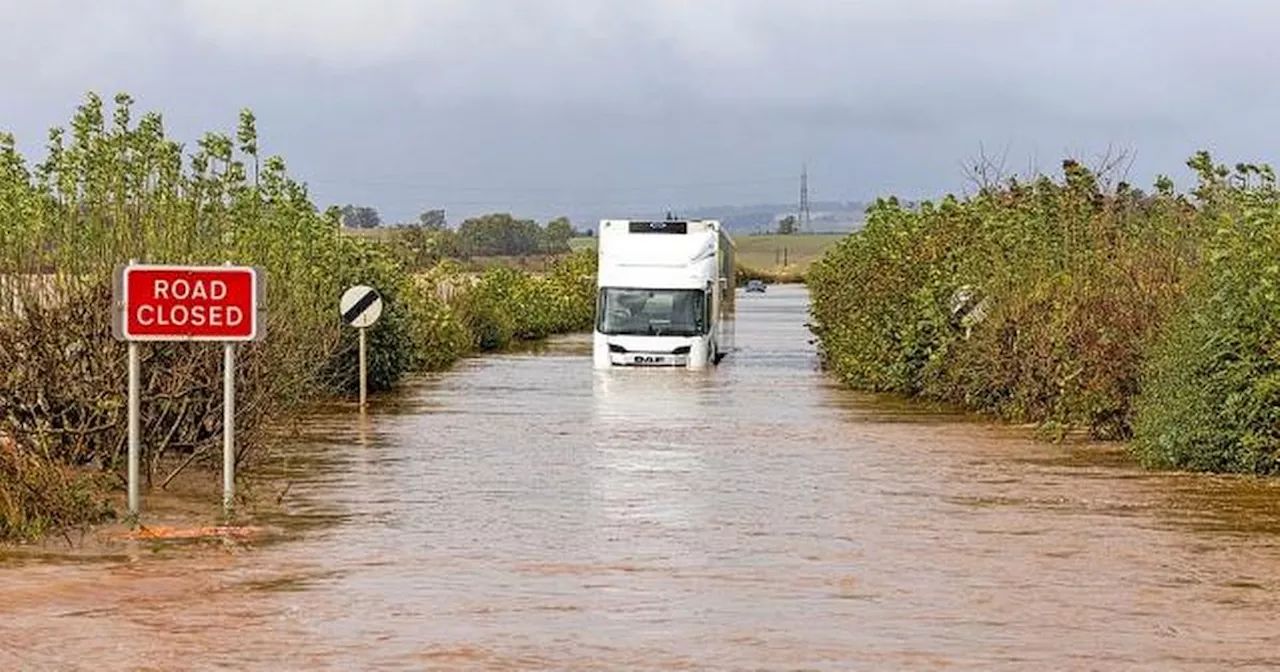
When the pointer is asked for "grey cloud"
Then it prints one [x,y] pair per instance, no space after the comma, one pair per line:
[539,106]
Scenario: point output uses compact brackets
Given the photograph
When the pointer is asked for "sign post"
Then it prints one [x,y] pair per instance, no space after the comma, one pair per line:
[134,442]
[187,303]
[361,306]
[134,404]
[229,422]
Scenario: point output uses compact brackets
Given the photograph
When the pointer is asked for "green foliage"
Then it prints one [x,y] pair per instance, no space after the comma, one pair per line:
[556,235]
[787,225]
[1034,301]
[360,217]
[1153,317]
[485,311]
[506,305]
[573,287]
[1211,399]
[439,334]
[500,234]
[111,190]
[38,496]
[432,220]
[421,247]
[392,345]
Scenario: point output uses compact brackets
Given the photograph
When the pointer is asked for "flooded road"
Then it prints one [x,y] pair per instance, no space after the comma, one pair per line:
[524,512]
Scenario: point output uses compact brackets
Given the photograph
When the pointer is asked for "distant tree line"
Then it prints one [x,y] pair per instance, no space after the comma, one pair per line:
[360,217]
[430,239]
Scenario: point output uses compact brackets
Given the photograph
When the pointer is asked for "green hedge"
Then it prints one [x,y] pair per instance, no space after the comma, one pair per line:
[505,305]
[112,189]
[1151,317]
[1211,393]
[1032,301]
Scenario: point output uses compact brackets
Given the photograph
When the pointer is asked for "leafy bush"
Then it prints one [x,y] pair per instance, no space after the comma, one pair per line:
[573,289]
[111,190]
[1033,300]
[396,341]
[37,495]
[506,305]
[1211,394]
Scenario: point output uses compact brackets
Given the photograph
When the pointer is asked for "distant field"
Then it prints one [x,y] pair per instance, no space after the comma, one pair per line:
[536,263]
[794,253]
[533,263]
[767,253]
[772,253]
[383,233]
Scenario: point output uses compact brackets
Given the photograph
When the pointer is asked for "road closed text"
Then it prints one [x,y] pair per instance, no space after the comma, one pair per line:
[190,303]
[195,316]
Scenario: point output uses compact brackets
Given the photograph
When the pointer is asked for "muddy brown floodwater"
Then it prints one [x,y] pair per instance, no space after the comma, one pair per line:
[524,512]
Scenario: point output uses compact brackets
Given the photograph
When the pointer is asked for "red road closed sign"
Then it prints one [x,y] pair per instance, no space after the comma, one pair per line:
[187,303]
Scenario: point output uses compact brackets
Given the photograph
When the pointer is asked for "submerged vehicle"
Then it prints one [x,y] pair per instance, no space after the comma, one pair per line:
[666,291]
[755,286]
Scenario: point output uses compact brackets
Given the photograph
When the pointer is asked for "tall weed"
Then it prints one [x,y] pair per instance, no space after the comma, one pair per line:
[1033,300]
[1211,394]
[113,189]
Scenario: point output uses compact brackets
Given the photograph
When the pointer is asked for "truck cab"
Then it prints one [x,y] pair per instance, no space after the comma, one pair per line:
[665,294]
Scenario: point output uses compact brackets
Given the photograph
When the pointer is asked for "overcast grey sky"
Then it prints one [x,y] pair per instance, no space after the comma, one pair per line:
[547,106]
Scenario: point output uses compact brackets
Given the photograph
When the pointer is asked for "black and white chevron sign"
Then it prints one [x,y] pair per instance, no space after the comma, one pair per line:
[360,306]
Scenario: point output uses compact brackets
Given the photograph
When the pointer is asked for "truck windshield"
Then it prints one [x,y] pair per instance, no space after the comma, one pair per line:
[651,312]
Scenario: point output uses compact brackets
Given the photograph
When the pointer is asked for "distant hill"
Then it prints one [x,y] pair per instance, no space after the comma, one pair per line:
[825,216]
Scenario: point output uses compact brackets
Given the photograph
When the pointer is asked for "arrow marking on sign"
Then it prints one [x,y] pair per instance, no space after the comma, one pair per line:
[360,306]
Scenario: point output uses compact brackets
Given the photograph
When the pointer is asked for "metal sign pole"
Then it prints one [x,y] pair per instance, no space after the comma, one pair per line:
[134,429]
[360,307]
[364,371]
[144,296]
[229,422]
[134,422]
[228,425]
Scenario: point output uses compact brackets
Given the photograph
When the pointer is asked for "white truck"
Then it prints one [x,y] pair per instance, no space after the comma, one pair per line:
[666,293]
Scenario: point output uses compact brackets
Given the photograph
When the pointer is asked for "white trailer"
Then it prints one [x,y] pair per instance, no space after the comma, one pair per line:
[666,293]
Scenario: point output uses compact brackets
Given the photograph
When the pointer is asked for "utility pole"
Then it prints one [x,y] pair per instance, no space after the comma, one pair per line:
[802,217]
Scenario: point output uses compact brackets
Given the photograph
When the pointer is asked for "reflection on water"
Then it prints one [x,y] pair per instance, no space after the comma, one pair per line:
[645,475]
[527,512]
[653,397]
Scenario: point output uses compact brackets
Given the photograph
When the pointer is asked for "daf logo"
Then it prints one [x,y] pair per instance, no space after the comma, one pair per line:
[647,359]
